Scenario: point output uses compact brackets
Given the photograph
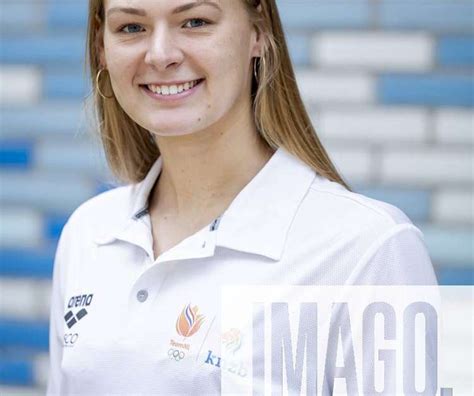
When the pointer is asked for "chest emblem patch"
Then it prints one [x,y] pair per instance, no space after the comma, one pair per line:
[81,302]
[76,310]
[188,323]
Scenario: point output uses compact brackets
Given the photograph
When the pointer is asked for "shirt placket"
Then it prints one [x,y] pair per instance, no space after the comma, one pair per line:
[145,290]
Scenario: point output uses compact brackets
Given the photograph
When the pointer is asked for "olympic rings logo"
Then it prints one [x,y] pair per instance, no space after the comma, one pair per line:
[70,339]
[176,354]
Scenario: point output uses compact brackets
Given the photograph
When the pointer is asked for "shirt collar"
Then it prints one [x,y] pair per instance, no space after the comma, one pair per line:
[143,189]
[135,205]
[260,216]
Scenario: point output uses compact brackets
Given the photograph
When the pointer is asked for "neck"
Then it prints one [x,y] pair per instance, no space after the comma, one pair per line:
[204,171]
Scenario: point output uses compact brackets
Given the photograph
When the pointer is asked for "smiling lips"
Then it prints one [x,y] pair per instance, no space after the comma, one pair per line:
[167,90]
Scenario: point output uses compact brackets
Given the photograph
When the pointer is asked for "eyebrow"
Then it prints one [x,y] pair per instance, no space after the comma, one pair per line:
[177,10]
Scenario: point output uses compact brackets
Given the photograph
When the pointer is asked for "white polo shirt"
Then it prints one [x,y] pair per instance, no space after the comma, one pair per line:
[122,323]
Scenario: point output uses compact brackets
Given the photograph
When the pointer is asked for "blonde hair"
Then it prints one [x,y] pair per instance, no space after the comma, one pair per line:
[279,113]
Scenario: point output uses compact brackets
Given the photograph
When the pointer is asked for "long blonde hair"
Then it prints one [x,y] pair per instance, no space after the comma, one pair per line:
[279,113]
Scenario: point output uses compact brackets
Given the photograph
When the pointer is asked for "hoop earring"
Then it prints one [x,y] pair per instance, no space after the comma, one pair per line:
[255,69]
[98,87]
[261,67]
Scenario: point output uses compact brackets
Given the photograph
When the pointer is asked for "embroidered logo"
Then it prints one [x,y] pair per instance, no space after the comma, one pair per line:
[188,323]
[83,301]
[71,320]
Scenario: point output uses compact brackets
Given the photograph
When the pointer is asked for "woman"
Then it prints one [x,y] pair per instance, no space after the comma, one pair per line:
[228,183]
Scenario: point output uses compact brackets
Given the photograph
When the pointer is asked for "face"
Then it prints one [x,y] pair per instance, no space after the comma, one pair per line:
[157,51]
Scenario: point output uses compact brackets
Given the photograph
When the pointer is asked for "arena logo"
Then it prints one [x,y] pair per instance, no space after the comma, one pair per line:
[83,300]
[71,318]
[80,301]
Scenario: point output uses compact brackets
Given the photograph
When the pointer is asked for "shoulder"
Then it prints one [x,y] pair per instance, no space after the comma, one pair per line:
[372,242]
[332,218]
[337,207]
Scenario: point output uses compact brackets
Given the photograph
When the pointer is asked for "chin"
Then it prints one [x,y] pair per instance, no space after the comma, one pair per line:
[172,131]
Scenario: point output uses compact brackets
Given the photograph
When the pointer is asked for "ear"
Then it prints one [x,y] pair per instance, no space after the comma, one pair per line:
[102,63]
[260,40]
[259,45]
[99,47]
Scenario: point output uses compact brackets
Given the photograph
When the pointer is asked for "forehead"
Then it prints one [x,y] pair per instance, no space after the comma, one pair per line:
[170,5]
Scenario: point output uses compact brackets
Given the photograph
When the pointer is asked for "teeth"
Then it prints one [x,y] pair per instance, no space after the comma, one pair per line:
[167,90]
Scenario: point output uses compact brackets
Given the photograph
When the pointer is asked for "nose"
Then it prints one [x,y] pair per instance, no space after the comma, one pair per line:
[163,50]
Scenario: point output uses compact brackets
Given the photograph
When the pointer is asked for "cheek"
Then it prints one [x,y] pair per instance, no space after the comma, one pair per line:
[241,51]
[122,71]
[231,57]
[119,59]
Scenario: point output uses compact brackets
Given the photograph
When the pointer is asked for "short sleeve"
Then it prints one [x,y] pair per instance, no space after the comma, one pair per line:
[56,319]
[397,257]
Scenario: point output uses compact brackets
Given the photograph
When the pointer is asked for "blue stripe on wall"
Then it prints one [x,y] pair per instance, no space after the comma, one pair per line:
[49,191]
[452,246]
[15,371]
[455,276]
[21,16]
[59,117]
[24,334]
[36,263]
[51,49]
[17,154]
[455,51]
[327,14]
[54,225]
[436,15]
[415,203]
[65,84]
[66,14]
[298,47]
[436,90]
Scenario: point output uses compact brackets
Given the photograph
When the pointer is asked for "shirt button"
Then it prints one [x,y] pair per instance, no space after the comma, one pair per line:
[142,295]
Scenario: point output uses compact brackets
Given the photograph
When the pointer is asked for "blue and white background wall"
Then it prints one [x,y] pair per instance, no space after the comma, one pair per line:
[389,85]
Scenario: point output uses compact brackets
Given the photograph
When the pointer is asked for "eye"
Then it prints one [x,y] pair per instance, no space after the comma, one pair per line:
[133,29]
[199,22]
